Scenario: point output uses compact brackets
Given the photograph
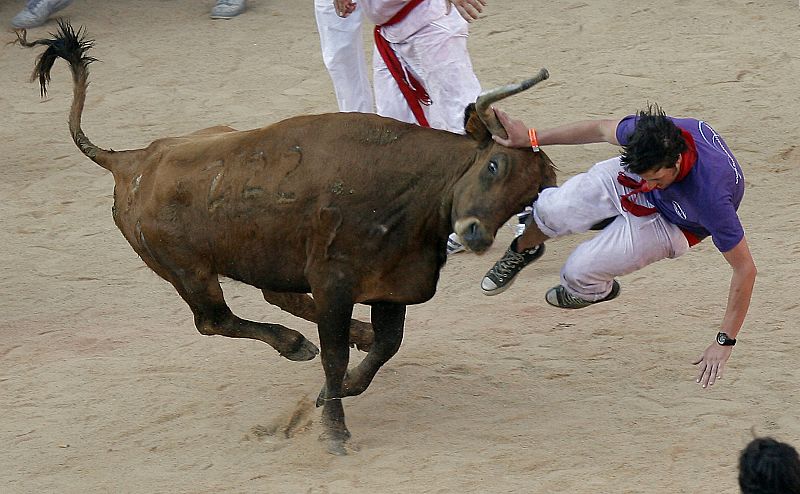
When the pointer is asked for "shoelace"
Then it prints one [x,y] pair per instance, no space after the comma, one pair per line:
[507,264]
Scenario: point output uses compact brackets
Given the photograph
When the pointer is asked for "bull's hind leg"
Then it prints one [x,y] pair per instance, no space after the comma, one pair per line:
[212,316]
[303,306]
[387,321]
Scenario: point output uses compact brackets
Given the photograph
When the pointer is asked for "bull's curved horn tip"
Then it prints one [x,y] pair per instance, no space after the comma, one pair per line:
[541,76]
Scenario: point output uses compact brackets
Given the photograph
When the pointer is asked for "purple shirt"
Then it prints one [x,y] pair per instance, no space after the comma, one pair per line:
[706,200]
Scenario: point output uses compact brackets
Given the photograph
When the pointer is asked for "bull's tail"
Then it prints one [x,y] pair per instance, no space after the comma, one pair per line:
[72,47]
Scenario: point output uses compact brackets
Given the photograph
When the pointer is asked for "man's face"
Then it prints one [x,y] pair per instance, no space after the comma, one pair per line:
[661,178]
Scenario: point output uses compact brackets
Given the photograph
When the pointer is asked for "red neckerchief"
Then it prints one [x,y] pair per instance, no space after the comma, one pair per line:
[412,90]
[688,160]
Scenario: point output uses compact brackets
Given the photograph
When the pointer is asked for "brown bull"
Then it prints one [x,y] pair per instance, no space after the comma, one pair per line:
[352,208]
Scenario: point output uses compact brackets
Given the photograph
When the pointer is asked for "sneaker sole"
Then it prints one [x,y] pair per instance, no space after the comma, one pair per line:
[32,21]
[615,291]
[499,289]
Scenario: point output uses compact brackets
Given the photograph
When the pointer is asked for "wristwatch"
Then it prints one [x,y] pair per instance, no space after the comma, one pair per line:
[725,340]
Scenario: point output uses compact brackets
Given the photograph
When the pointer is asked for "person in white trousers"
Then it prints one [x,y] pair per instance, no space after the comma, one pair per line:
[430,41]
[342,43]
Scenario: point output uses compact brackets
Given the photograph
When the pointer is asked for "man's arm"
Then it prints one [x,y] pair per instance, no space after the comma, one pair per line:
[584,132]
[712,361]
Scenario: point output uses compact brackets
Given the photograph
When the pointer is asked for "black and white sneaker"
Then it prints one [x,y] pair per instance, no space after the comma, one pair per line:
[558,296]
[502,274]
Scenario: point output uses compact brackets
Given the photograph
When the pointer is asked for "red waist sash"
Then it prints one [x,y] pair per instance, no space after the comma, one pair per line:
[412,90]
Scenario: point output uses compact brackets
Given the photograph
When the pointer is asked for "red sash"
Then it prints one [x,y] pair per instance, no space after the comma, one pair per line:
[412,90]
[688,160]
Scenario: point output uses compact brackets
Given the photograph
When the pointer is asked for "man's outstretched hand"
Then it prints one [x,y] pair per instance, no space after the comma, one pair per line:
[711,363]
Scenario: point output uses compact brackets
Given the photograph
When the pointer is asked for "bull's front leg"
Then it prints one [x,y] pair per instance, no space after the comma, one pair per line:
[387,322]
[333,322]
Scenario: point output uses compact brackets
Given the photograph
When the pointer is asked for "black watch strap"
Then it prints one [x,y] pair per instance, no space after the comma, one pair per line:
[725,340]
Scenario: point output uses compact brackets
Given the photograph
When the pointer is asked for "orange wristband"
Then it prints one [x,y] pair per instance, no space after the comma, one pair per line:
[534,139]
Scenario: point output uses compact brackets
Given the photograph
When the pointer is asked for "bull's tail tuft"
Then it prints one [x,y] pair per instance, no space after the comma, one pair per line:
[72,46]
[67,44]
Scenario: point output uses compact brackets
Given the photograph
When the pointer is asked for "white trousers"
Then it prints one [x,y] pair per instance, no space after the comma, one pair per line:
[628,244]
[343,53]
[437,56]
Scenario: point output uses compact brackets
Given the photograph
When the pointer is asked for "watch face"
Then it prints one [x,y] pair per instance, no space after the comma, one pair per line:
[725,340]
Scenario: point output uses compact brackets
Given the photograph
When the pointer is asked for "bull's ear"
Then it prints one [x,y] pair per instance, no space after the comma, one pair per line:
[474,126]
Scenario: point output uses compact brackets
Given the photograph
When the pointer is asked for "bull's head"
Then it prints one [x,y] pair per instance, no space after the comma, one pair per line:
[503,180]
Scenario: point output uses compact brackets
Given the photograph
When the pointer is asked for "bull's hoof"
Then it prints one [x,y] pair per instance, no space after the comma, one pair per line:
[336,447]
[307,351]
[336,441]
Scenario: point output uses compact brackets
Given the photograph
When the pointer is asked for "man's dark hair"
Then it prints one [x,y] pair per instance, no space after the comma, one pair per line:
[767,466]
[655,143]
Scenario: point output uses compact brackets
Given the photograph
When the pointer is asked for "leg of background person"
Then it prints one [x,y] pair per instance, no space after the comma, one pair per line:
[342,45]
[389,101]
[437,54]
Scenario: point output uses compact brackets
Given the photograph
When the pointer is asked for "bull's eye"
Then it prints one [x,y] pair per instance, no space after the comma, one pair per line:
[493,168]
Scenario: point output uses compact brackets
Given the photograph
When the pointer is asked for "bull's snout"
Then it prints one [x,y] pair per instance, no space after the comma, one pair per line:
[474,234]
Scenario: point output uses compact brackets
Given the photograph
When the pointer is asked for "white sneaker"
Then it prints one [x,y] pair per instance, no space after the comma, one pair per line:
[227,9]
[454,245]
[36,12]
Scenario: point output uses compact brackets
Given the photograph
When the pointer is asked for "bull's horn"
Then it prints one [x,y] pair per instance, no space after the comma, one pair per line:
[483,105]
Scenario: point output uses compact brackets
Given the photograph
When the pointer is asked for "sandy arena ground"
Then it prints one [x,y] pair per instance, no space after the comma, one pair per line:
[106,386]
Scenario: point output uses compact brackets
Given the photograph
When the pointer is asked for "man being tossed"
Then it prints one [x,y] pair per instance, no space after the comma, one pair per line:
[675,184]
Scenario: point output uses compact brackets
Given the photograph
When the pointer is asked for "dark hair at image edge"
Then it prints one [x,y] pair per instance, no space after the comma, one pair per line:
[655,143]
[767,466]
